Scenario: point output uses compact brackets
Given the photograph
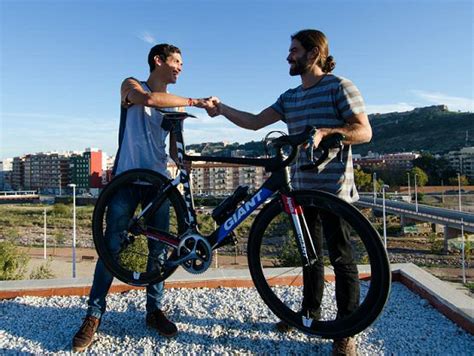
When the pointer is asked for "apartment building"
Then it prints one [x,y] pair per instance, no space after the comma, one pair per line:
[402,160]
[6,167]
[223,178]
[18,173]
[462,161]
[52,172]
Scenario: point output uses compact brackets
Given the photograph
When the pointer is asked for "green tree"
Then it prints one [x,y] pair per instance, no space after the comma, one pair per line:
[454,180]
[363,180]
[421,176]
[12,261]
[437,169]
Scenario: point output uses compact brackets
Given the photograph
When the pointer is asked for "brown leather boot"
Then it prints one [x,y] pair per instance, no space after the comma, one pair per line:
[344,347]
[84,336]
[158,321]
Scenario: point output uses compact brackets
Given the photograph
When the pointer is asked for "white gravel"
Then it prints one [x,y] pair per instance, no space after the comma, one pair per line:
[225,320]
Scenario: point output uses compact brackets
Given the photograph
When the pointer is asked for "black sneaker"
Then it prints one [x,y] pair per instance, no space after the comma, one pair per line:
[158,321]
[283,327]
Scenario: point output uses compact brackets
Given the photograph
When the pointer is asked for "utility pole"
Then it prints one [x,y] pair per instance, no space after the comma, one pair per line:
[44,234]
[409,190]
[374,179]
[416,195]
[459,190]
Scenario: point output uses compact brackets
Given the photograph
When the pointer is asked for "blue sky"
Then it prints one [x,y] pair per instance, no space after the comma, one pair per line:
[62,62]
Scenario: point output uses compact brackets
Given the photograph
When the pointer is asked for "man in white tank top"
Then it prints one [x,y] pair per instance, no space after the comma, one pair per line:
[141,145]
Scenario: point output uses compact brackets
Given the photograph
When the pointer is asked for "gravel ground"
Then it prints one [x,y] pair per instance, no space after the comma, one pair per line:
[217,321]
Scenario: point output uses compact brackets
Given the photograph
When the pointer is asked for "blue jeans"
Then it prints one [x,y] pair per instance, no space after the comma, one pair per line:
[119,212]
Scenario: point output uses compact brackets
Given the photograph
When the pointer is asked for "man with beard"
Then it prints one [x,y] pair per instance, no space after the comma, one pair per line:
[332,104]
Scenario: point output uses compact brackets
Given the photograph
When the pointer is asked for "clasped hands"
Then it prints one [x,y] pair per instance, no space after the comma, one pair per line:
[212,105]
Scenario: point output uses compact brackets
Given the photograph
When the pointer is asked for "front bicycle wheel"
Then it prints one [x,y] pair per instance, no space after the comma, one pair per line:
[134,252]
[342,287]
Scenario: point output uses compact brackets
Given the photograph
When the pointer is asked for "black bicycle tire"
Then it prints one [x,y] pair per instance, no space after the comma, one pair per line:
[380,284]
[97,229]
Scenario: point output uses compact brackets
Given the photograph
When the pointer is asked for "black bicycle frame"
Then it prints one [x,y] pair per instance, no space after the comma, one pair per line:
[278,182]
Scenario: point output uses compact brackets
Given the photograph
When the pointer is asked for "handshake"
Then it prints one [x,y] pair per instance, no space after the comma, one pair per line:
[212,105]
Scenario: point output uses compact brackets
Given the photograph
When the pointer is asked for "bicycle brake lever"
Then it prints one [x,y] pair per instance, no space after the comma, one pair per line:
[309,155]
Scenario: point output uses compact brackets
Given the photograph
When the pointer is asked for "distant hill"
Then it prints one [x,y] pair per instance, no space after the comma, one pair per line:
[434,129]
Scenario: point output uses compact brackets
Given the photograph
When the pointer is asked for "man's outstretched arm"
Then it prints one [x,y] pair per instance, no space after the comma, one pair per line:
[244,119]
[133,93]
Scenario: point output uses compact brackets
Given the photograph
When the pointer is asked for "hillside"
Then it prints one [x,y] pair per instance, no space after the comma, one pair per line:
[434,129]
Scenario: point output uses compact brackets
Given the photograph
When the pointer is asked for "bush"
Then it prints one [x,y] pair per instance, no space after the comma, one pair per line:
[134,256]
[12,261]
[436,245]
[43,271]
[290,255]
[59,237]
[61,210]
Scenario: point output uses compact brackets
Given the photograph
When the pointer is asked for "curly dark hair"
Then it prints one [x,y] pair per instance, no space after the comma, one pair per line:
[163,51]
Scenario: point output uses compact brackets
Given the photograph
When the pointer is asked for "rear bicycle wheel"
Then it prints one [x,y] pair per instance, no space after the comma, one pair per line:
[134,254]
[307,300]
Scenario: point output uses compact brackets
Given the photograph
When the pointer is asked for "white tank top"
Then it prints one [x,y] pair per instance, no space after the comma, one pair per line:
[142,141]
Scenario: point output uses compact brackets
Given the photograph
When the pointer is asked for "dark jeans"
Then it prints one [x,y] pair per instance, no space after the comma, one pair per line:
[337,235]
[120,211]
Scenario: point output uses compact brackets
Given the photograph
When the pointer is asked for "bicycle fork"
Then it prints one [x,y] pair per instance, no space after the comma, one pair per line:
[301,227]
[299,223]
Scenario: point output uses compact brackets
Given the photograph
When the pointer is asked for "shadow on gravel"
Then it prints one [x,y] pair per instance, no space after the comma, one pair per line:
[50,329]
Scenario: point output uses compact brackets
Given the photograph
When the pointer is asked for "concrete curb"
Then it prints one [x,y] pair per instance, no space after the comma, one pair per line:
[453,304]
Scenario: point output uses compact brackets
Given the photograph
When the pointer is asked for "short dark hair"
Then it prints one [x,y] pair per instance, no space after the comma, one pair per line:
[162,50]
[310,39]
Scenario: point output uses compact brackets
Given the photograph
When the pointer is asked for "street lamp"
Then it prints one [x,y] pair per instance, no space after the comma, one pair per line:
[384,186]
[374,179]
[44,234]
[459,190]
[416,195]
[409,190]
[73,229]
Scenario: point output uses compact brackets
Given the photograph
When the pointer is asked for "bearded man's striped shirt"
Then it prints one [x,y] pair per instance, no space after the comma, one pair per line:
[327,104]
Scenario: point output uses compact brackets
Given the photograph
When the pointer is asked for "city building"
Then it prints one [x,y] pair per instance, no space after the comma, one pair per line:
[6,167]
[462,161]
[86,170]
[18,173]
[213,178]
[402,160]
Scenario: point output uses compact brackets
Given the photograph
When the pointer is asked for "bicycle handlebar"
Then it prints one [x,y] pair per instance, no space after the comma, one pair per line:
[306,136]
[290,140]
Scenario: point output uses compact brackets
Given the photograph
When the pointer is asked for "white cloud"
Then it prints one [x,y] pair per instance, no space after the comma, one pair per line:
[453,102]
[147,37]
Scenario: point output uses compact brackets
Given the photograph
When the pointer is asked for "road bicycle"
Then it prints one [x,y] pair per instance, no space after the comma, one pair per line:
[286,247]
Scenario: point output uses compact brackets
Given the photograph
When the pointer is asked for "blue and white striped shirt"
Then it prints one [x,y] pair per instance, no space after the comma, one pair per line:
[327,104]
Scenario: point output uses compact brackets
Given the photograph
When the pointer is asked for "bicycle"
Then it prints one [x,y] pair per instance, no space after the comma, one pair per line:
[281,248]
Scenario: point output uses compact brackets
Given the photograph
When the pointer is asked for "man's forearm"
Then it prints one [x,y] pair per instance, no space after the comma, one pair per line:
[165,100]
[354,133]
[240,118]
